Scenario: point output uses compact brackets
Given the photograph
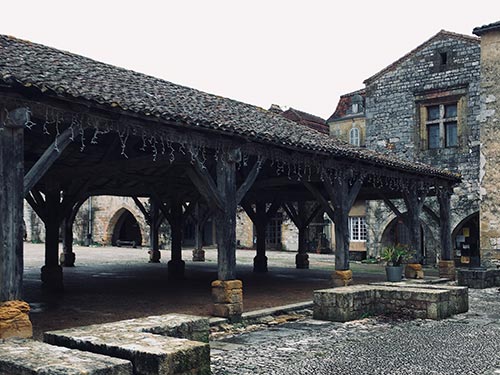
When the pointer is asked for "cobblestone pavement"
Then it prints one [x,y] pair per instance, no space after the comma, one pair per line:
[465,344]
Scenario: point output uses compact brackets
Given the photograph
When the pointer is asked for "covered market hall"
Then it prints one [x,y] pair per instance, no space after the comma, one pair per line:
[72,128]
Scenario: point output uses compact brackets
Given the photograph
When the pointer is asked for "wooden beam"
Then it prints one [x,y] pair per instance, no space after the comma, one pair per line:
[250,179]
[206,186]
[431,213]
[147,215]
[321,199]
[11,202]
[391,206]
[46,160]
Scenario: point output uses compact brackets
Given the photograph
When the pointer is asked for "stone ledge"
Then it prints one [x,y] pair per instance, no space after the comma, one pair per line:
[415,301]
[146,342]
[478,278]
[22,356]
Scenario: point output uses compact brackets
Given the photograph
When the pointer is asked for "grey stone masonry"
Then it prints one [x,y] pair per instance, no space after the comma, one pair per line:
[29,357]
[146,343]
[359,301]
[395,103]
[459,295]
[478,278]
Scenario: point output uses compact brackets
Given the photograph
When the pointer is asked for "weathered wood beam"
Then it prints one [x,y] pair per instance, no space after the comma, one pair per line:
[431,213]
[46,160]
[320,198]
[11,202]
[249,180]
[206,186]
[147,215]
[391,206]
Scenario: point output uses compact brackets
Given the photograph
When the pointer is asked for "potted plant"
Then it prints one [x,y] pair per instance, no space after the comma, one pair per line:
[394,257]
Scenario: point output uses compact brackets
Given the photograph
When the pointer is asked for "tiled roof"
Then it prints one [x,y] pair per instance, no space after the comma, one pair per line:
[304,118]
[443,34]
[64,74]
[486,28]
[344,104]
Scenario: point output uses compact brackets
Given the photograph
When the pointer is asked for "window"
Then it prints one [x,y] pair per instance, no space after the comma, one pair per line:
[273,231]
[357,228]
[354,136]
[441,125]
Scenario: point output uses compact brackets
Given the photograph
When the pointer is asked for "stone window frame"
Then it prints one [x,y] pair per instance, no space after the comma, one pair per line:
[358,230]
[441,98]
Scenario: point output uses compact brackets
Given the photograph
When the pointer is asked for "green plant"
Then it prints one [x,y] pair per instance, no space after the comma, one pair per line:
[395,255]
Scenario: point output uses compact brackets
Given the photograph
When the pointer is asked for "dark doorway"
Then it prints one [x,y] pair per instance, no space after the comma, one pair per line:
[127,231]
[396,233]
[466,242]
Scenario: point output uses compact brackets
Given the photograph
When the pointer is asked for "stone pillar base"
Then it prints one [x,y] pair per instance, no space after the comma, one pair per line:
[228,299]
[198,255]
[154,256]
[14,320]
[414,271]
[67,259]
[176,269]
[52,278]
[302,261]
[342,278]
[260,264]
[447,269]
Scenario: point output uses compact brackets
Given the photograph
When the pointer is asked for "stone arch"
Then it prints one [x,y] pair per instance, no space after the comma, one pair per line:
[124,226]
[395,232]
[465,239]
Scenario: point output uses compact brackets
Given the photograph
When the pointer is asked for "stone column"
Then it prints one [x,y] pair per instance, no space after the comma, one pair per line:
[446,264]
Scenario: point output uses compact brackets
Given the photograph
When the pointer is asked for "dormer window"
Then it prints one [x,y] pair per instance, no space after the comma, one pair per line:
[443,58]
[357,104]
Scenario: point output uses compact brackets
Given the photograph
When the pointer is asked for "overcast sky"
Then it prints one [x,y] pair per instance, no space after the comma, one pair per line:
[303,54]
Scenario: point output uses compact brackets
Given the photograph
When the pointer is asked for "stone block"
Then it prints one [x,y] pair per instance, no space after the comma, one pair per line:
[342,278]
[414,271]
[146,342]
[22,357]
[225,295]
[227,284]
[14,320]
[227,310]
[447,269]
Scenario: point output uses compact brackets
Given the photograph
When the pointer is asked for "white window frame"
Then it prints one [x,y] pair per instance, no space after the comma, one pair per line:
[358,230]
[354,137]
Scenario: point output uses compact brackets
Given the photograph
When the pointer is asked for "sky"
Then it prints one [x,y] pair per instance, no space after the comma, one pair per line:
[300,54]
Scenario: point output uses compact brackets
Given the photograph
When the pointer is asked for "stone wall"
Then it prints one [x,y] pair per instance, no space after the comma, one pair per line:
[490,150]
[393,120]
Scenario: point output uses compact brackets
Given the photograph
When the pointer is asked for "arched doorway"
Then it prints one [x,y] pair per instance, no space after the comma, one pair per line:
[465,239]
[126,231]
[396,233]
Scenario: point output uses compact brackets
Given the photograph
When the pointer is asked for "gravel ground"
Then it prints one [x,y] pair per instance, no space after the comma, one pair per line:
[465,344]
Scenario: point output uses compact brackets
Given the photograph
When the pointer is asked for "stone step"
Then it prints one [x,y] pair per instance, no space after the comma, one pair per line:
[146,342]
[29,357]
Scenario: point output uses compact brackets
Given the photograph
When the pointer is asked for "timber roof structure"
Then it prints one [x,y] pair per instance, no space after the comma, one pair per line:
[59,74]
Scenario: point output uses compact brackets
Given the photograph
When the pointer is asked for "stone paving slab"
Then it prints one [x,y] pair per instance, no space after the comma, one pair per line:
[467,343]
[29,357]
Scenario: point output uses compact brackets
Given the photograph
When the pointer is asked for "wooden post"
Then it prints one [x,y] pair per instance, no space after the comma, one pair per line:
[414,201]
[154,229]
[52,277]
[176,265]
[226,218]
[260,260]
[68,257]
[200,218]
[11,202]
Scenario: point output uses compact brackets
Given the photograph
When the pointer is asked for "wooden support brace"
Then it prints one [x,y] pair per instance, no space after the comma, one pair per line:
[46,160]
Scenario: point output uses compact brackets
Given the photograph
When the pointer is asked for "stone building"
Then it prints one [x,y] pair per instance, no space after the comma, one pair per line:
[490,142]
[423,107]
